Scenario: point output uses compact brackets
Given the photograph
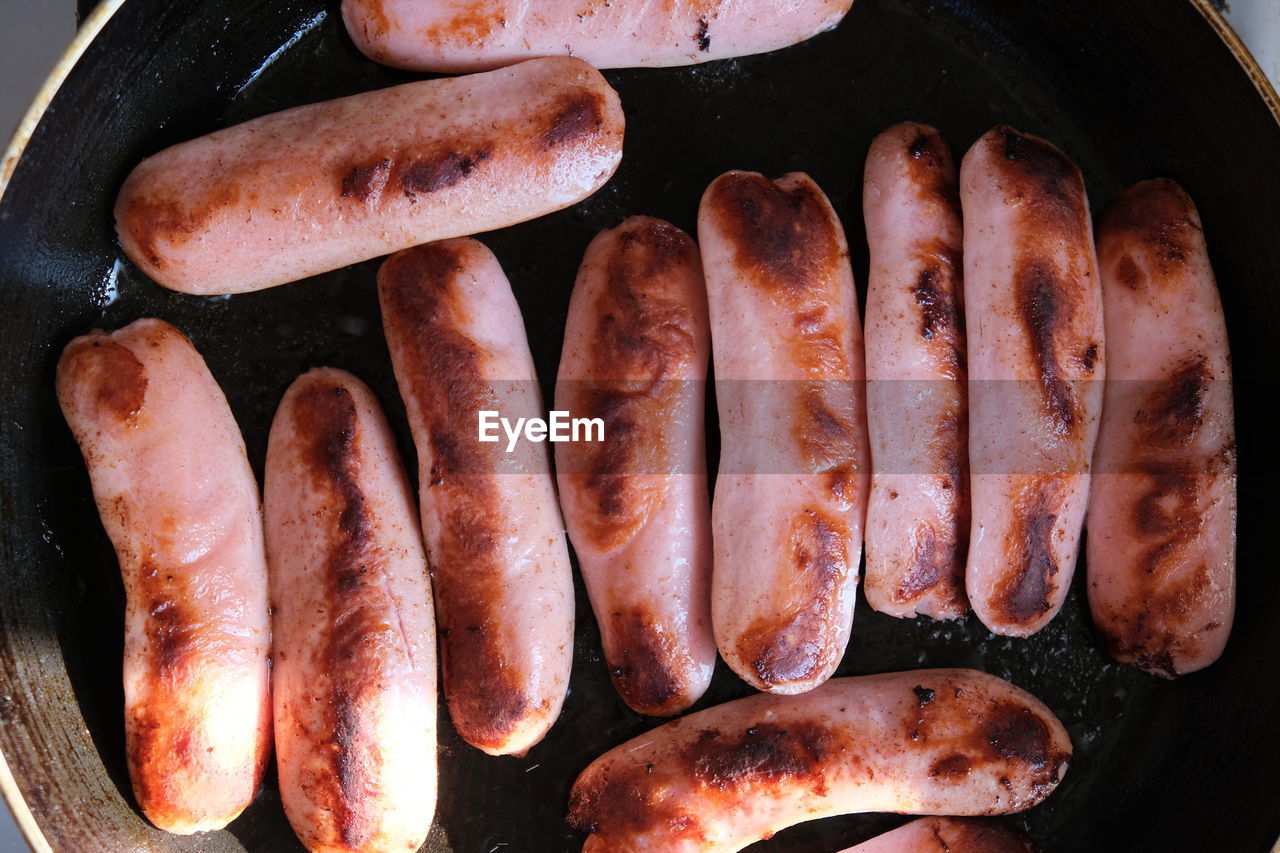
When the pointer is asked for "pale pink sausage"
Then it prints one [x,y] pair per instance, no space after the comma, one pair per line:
[791,491]
[636,504]
[318,187]
[948,835]
[471,35]
[949,741]
[354,646]
[180,504]
[1162,516]
[917,411]
[490,519]
[1033,310]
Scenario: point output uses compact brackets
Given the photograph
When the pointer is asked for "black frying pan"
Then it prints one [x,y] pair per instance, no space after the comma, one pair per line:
[1129,89]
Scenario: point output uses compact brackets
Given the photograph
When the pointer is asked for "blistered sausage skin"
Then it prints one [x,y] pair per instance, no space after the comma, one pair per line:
[354,678]
[471,35]
[1162,542]
[318,187]
[636,504]
[790,494]
[490,519]
[948,835]
[180,504]
[1033,306]
[941,741]
[917,413]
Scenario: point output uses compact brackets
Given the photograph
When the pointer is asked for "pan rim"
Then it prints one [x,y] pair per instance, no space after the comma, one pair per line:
[97,20]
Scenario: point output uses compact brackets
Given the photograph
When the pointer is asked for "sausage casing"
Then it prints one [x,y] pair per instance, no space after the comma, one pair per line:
[948,741]
[490,519]
[354,638]
[470,35]
[790,494]
[1033,309]
[180,503]
[948,835]
[636,504]
[1162,540]
[917,404]
[321,186]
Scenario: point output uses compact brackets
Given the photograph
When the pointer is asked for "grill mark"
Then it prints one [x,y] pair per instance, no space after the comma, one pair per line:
[794,645]
[1022,594]
[765,755]
[579,116]
[365,183]
[445,388]
[1174,411]
[643,661]
[439,172]
[1045,309]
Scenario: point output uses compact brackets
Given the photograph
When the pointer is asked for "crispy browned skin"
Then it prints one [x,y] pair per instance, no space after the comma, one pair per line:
[934,740]
[636,503]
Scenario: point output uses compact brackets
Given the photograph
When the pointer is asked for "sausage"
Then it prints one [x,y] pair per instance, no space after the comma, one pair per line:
[490,519]
[791,490]
[1162,541]
[636,504]
[318,187]
[948,835]
[471,35]
[917,405]
[1033,309]
[354,637]
[948,741]
[180,504]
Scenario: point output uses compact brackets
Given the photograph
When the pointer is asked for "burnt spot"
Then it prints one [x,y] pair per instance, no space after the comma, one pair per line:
[703,36]
[787,237]
[936,308]
[1089,358]
[172,630]
[430,174]
[763,756]
[1036,169]
[1022,592]
[823,427]
[1173,412]
[1162,219]
[932,169]
[1045,309]
[578,117]
[924,695]
[1013,732]
[1167,510]
[110,375]
[352,822]
[616,803]
[486,695]
[162,219]
[365,183]
[643,662]
[951,767]
[795,645]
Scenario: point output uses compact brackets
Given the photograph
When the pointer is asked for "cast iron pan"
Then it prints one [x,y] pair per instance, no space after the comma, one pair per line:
[1130,90]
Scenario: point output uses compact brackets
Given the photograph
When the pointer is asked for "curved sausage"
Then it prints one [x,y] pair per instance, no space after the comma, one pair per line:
[1162,541]
[321,186]
[917,404]
[948,741]
[354,638]
[490,519]
[791,490]
[1033,306]
[636,504]
[180,504]
[948,835]
[471,35]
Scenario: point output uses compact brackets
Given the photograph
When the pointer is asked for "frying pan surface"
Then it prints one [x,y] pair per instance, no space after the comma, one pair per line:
[1129,90]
